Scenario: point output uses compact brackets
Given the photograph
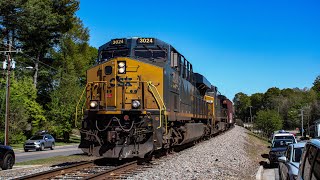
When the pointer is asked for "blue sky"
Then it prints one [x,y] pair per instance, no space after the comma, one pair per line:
[240,46]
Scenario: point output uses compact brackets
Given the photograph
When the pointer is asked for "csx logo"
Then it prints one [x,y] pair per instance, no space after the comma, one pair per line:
[121,81]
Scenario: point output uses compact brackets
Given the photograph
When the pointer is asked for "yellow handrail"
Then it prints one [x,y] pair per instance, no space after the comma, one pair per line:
[76,119]
[161,106]
[85,88]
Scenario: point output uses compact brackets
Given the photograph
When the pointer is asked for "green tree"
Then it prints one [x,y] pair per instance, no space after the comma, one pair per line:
[25,113]
[271,98]
[256,102]
[316,86]
[242,102]
[74,56]
[268,121]
[41,24]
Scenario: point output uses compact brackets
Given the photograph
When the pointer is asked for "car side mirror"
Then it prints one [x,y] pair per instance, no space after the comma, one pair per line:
[282,159]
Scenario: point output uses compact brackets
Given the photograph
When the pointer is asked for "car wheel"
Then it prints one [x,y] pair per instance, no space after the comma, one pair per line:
[52,146]
[41,147]
[26,150]
[8,162]
[288,177]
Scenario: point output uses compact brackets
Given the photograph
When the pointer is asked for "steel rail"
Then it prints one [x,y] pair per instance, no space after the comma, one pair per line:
[114,172]
[56,172]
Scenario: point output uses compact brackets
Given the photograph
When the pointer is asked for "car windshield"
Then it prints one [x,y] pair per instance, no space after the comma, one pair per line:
[36,137]
[296,156]
[281,143]
[284,137]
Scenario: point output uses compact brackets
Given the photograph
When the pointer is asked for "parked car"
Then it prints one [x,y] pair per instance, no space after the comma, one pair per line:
[310,162]
[39,142]
[289,163]
[278,148]
[7,157]
[283,136]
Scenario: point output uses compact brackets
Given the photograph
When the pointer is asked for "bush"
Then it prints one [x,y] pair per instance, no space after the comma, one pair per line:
[268,121]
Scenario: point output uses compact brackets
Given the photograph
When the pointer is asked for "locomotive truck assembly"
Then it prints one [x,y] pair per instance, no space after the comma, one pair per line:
[142,96]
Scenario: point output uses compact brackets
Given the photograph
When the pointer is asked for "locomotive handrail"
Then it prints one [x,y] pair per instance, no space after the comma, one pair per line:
[76,119]
[161,106]
[85,88]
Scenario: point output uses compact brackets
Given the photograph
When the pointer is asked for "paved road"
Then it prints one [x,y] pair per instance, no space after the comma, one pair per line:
[58,151]
[270,173]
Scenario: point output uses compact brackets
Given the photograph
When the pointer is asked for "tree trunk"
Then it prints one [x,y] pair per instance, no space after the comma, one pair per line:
[36,68]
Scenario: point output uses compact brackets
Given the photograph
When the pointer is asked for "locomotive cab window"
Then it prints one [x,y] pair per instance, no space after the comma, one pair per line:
[153,53]
[109,54]
[174,61]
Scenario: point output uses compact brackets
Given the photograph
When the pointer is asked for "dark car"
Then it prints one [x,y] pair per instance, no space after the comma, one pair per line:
[278,148]
[289,163]
[39,142]
[7,157]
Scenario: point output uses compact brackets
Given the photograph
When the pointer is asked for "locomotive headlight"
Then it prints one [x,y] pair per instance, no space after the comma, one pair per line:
[122,67]
[121,64]
[121,70]
[135,104]
[93,104]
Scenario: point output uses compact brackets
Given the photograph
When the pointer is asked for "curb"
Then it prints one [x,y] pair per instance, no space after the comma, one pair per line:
[259,173]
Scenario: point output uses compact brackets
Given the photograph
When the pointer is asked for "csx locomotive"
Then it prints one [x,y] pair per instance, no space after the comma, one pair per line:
[143,96]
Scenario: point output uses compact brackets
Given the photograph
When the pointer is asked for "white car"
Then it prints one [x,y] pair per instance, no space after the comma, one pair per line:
[289,163]
[284,136]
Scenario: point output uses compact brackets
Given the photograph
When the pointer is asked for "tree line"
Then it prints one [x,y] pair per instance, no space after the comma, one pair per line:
[50,72]
[280,108]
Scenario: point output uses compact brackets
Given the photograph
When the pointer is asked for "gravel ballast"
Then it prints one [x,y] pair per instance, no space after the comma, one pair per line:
[225,156]
[222,157]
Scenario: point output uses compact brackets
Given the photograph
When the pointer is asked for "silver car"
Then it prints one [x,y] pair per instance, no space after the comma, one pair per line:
[39,142]
[289,163]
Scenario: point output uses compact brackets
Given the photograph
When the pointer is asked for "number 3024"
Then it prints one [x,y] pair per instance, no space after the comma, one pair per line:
[145,40]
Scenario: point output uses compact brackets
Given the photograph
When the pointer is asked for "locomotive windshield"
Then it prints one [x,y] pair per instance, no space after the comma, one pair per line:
[150,53]
[113,53]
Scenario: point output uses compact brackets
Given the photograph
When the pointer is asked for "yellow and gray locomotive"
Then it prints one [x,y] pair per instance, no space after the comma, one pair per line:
[143,96]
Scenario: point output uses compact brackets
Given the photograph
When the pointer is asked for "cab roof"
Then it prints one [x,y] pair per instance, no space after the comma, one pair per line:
[283,134]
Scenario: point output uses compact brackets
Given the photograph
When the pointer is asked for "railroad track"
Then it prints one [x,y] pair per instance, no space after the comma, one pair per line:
[90,170]
[85,170]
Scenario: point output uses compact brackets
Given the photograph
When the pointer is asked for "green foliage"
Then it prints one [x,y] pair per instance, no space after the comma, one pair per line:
[74,56]
[242,102]
[316,86]
[288,103]
[268,121]
[24,109]
[50,35]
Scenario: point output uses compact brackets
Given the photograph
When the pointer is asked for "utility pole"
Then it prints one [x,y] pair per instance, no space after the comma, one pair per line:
[8,66]
[302,130]
[250,114]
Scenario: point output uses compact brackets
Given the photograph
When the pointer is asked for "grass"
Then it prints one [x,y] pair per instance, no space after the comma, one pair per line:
[56,160]
[257,147]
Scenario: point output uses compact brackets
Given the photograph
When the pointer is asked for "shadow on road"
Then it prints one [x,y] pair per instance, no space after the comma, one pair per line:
[265,155]
[266,164]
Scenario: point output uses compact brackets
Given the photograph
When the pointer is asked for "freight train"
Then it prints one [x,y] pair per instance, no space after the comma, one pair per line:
[143,96]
